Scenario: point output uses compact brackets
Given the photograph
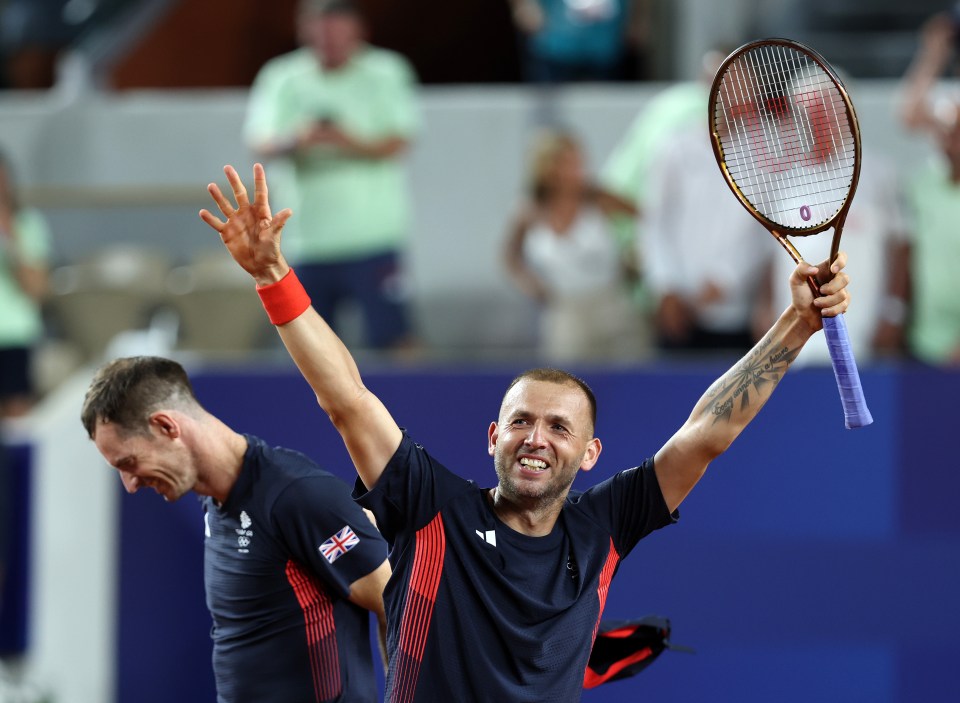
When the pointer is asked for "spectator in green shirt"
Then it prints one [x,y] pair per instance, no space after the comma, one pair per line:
[934,195]
[24,249]
[342,114]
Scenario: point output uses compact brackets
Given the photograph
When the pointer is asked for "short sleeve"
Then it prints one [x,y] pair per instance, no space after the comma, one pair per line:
[327,532]
[270,112]
[630,505]
[412,489]
[398,98]
[33,237]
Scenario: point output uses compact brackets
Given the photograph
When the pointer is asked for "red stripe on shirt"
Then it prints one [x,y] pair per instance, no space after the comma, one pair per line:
[606,576]
[321,631]
[430,544]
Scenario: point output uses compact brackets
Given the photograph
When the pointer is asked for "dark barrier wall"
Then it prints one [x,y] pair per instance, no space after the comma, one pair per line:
[15,477]
[812,563]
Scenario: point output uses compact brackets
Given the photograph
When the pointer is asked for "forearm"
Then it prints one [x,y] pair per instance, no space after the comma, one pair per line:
[727,408]
[514,262]
[367,592]
[345,146]
[33,281]
[916,111]
[276,148]
[924,71]
[613,203]
[369,432]
[324,361]
[330,370]
[376,149]
[382,639]
[526,280]
[734,399]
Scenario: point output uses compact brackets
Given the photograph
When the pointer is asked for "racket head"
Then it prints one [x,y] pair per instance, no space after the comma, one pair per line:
[785,135]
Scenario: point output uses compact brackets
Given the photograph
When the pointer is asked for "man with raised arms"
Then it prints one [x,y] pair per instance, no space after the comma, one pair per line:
[497,593]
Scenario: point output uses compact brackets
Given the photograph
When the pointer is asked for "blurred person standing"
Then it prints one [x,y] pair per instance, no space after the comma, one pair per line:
[579,40]
[630,167]
[698,241]
[24,255]
[343,114]
[561,253]
[934,196]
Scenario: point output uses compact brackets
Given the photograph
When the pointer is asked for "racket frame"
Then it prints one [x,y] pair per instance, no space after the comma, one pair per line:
[781,232]
[856,412]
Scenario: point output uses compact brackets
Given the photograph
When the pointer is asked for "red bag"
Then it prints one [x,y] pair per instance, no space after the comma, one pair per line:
[624,648]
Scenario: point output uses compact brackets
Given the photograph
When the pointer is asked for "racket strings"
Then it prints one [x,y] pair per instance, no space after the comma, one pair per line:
[771,78]
[786,136]
[774,143]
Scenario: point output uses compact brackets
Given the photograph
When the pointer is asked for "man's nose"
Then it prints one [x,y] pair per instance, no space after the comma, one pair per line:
[130,483]
[535,435]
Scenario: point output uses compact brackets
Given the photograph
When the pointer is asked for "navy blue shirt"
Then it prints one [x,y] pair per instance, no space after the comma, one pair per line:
[479,612]
[280,555]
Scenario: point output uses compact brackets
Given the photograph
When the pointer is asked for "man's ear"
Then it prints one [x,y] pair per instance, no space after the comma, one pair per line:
[492,433]
[591,455]
[165,424]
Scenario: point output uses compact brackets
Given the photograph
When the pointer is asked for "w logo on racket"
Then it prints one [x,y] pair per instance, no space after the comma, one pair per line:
[786,131]
[338,545]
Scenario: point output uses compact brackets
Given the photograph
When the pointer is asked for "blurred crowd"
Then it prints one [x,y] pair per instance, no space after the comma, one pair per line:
[624,265]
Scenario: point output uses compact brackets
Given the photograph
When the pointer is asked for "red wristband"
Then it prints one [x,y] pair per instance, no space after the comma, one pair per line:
[285,300]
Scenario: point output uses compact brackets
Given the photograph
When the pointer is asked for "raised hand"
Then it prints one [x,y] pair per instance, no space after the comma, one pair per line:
[250,233]
[834,297]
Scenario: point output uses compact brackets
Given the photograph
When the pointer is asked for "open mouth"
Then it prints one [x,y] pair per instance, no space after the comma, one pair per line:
[533,465]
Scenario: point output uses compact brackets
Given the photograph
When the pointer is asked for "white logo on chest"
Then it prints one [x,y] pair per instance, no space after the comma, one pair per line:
[490,537]
[244,534]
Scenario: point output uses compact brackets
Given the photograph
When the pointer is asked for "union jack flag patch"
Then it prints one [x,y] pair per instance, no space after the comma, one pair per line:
[338,545]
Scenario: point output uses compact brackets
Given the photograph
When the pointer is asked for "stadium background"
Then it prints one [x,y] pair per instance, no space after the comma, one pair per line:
[811,564]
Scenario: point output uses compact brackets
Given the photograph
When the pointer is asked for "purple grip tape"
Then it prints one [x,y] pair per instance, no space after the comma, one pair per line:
[855,411]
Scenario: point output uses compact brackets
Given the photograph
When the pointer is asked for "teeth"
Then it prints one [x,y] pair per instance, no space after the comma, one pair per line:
[533,463]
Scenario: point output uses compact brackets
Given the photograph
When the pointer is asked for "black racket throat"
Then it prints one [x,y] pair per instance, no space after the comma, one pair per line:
[797,257]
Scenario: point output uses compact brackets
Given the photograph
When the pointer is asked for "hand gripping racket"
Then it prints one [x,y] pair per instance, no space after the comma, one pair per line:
[786,137]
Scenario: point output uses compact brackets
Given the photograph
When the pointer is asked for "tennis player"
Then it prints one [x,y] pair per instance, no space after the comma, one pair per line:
[291,564]
[497,592]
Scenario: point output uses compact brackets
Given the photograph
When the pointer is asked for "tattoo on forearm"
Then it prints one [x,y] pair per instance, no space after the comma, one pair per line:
[760,368]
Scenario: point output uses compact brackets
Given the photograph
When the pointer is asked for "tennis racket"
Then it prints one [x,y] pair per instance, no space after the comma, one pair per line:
[786,138]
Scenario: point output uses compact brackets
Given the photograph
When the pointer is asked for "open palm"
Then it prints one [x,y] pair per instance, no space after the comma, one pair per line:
[250,232]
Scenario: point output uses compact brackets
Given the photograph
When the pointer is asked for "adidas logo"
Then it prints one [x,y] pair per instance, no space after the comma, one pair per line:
[490,537]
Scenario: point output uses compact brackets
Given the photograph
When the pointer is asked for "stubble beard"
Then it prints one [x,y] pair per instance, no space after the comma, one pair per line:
[526,492]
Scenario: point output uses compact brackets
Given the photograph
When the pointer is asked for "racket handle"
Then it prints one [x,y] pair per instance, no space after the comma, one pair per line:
[855,411]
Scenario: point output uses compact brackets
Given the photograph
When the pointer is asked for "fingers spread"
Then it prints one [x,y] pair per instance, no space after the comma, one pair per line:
[260,193]
[218,197]
[281,218]
[212,220]
[239,190]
